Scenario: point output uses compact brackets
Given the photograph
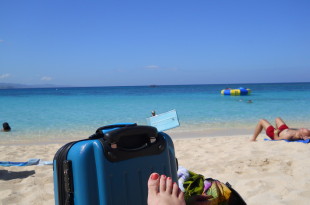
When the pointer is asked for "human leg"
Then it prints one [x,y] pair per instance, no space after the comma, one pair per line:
[279,122]
[162,191]
[262,124]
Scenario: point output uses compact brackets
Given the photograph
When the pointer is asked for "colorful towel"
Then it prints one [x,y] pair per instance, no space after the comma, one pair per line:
[183,175]
[198,190]
[27,163]
[302,141]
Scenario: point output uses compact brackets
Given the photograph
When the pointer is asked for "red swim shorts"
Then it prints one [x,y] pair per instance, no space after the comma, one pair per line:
[270,130]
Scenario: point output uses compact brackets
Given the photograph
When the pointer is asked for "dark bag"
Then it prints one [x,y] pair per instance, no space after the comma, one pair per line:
[235,198]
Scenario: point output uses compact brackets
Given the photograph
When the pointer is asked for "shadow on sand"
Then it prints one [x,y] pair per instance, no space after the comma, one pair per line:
[10,175]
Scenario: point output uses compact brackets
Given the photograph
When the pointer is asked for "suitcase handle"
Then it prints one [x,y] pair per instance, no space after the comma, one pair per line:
[99,132]
[107,127]
[135,149]
[132,138]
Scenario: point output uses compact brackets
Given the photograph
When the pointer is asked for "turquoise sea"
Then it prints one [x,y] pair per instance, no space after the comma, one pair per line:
[55,114]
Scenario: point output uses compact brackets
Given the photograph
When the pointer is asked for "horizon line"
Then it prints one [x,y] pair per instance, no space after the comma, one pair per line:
[33,86]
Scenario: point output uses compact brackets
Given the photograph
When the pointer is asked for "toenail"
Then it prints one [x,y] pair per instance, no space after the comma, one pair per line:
[169,178]
[164,176]
[154,176]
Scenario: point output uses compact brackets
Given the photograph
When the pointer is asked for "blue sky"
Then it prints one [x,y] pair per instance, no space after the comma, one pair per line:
[103,43]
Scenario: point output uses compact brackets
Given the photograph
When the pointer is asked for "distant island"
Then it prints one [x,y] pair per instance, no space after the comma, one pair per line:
[19,86]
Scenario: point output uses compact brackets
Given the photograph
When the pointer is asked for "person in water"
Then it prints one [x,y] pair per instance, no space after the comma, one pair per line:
[6,127]
[281,131]
[163,191]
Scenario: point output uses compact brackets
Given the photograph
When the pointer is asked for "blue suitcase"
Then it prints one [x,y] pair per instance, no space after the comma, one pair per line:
[112,166]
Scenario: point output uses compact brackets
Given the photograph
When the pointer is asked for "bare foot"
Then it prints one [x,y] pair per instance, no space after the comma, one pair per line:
[162,191]
[252,139]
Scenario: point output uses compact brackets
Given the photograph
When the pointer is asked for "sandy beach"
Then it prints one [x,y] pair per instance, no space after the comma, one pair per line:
[262,172]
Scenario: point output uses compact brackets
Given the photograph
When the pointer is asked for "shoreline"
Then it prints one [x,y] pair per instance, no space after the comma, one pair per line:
[173,133]
[185,130]
[54,136]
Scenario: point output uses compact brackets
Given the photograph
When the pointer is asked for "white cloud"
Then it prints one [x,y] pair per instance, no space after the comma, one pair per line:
[46,78]
[3,76]
[152,67]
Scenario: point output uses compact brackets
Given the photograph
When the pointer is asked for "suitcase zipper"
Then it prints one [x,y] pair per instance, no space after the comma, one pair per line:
[60,157]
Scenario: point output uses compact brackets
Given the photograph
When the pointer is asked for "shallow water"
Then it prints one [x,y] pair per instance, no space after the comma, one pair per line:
[53,114]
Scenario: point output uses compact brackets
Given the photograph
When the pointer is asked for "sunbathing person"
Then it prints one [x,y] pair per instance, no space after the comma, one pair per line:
[281,131]
[162,191]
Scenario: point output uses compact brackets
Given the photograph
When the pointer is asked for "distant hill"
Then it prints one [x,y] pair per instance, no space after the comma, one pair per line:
[16,86]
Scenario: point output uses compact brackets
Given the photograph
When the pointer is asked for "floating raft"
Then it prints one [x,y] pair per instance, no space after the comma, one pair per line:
[239,91]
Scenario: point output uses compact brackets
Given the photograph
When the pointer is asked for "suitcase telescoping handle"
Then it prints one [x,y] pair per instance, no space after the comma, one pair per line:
[100,132]
[132,138]
[129,137]
[131,142]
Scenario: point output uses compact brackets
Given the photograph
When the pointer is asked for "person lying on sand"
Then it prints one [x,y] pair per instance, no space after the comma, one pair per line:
[162,191]
[281,131]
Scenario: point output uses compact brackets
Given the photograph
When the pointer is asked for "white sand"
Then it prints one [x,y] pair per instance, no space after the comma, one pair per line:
[262,172]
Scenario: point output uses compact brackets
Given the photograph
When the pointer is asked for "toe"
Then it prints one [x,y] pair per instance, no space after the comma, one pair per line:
[153,183]
[169,185]
[175,189]
[181,194]
[162,185]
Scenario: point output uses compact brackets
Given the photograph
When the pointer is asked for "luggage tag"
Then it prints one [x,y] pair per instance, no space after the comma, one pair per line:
[164,121]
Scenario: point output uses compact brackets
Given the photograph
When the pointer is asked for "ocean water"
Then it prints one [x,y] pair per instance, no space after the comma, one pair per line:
[53,114]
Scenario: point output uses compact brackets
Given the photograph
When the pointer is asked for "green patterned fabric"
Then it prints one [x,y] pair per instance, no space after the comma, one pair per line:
[193,185]
[197,194]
